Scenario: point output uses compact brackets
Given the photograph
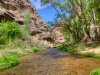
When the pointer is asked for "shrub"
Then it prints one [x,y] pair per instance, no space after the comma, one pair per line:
[3,40]
[88,54]
[8,61]
[97,56]
[36,49]
[60,47]
[80,47]
[27,20]
[10,29]
[95,72]
[18,43]
[13,30]
[25,34]
[70,48]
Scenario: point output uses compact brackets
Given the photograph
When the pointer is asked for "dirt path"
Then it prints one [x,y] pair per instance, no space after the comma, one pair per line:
[53,62]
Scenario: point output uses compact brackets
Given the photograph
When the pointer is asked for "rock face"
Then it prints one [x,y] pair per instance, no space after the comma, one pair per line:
[59,35]
[14,10]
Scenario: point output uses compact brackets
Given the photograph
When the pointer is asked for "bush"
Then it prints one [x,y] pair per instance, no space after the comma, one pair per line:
[13,30]
[80,47]
[10,29]
[70,48]
[95,72]
[88,54]
[3,40]
[60,47]
[97,56]
[25,34]
[27,20]
[8,61]
[36,49]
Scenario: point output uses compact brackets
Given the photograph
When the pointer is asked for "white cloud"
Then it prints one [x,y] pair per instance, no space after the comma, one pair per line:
[37,4]
[43,15]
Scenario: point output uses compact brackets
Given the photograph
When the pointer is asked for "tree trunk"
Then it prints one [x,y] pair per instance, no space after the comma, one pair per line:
[86,37]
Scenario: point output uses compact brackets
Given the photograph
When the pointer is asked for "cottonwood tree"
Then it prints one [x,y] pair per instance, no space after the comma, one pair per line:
[83,13]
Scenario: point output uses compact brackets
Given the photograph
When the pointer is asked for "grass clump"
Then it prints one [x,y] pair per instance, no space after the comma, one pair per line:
[69,48]
[95,72]
[3,40]
[8,61]
[80,47]
[36,49]
[88,54]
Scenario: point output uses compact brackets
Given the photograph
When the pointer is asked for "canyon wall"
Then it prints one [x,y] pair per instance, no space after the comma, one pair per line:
[14,10]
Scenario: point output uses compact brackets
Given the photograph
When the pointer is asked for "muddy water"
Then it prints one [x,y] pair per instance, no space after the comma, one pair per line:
[53,62]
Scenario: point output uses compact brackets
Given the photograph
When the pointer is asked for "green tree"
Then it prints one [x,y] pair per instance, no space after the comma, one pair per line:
[82,14]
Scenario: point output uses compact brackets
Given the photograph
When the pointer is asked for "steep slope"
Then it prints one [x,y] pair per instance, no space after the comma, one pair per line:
[14,10]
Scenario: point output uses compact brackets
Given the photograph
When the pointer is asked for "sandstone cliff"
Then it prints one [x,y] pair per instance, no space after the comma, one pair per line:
[14,10]
[59,35]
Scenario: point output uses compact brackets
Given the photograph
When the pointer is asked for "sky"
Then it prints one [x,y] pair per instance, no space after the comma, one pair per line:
[46,12]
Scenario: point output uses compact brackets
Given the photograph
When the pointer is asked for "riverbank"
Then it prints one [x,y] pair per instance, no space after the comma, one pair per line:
[53,62]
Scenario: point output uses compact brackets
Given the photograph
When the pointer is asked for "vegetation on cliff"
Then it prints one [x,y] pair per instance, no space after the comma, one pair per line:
[15,42]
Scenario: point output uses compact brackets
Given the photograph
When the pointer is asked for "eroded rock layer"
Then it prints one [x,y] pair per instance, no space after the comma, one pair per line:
[59,35]
[14,10]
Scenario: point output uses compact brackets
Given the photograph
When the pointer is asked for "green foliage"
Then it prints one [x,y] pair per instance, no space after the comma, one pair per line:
[3,40]
[18,43]
[27,20]
[96,6]
[25,34]
[44,2]
[82,13]
[8,61]
[97,56]
[13,30]
[88,54]
[27,23]
[69,48]
[67,35]
[80,47]
[61,47]
[10,30]
[36,49]
[95,72]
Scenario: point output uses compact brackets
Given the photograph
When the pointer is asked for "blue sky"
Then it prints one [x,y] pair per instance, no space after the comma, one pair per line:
[46,12]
